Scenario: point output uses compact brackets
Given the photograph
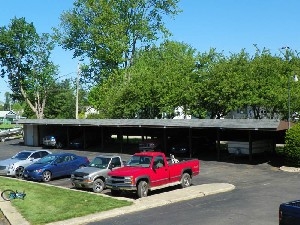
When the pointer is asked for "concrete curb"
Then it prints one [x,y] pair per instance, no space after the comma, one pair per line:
[153,201]
[197,191]
[290,169]
[11,213]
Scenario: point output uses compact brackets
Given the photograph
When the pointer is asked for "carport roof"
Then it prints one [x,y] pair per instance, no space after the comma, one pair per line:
[238,124]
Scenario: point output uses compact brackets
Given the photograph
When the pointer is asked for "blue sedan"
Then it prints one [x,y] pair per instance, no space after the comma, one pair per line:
[54,165]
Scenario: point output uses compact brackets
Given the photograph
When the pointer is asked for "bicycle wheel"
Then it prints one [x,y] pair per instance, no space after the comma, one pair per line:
[8,194]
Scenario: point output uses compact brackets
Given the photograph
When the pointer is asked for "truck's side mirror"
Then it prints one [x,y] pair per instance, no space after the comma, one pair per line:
[110,166]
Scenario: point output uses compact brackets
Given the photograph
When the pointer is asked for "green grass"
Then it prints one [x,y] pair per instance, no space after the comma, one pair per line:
[45,204]
[7,126]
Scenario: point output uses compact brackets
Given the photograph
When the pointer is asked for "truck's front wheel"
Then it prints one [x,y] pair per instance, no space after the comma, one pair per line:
[143,189]
[98,185]
[186,180]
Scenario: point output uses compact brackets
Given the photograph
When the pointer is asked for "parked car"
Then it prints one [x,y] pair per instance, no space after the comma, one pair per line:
[93,176]
[149,145]
[180,150]
[76,143]
[289,213]
[54,141]
[180,146]
[147,171]
[55,165]
[81,142]
[15,165]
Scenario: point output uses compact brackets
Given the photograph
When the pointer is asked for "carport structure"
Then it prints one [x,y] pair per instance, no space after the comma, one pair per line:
[247,130]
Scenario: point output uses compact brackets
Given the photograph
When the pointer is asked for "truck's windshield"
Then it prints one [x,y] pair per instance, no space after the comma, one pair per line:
[100,162]
[143,161]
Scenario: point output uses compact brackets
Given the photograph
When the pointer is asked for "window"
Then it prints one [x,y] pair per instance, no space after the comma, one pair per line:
[116,162]
[35,155]
[43,153]
[159,161]
[60,159]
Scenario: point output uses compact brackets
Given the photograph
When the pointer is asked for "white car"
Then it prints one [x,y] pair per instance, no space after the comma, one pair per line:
[15,165]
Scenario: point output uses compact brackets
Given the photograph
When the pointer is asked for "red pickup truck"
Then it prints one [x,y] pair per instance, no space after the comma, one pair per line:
[147,171]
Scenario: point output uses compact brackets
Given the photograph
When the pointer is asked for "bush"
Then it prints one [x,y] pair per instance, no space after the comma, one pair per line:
[291,149]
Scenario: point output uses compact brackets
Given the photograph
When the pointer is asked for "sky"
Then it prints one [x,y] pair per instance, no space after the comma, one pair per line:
[226,25]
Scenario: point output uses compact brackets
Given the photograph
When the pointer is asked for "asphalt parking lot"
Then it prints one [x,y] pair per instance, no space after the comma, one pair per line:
[260,187]
[13,146]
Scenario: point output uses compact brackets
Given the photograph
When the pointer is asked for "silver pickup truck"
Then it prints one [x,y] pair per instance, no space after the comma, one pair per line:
[93,176]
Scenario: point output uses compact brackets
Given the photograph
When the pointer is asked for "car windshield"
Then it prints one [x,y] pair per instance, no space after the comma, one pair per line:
[100,162]
[47,159]
[142,161]
[22,155]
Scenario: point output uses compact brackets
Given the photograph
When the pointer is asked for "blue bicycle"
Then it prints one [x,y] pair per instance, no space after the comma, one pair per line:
[9,195]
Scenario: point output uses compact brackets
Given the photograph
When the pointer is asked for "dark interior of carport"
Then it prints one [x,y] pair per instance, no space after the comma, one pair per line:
[216,130]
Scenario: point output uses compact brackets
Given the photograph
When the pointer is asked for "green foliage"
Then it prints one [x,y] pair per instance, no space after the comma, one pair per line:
[108,33]
[61,103]
[291,149]
[7,126]
[174,74]
[160,79]
[25,60]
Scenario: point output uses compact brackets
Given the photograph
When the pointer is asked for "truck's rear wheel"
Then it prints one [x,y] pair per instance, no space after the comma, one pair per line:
[143,189]
[115,192]
[186,180]
[98,185]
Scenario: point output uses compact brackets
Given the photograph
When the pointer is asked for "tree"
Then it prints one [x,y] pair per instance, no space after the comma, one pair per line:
[25,59]
[161,79]
[7,104]
[264,90]
[61,103]
[221,82]
[108,33]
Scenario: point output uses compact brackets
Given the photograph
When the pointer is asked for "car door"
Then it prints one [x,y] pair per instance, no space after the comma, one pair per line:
[59,166]
[71,164]
[159,172]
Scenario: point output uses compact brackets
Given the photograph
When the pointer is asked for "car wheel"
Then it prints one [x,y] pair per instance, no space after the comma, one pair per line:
[98,185]
[142,189]
[47,176]
[19,172]
[115,192]
[58,145]
[186,180]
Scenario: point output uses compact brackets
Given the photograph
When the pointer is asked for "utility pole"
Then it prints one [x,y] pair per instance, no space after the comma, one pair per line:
[77,90]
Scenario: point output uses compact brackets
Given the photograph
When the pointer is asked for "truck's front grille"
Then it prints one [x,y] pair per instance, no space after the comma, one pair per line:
[117,180]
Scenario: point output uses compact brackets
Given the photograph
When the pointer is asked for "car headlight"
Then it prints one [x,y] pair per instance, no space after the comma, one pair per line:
[87,179]
[38,171]
[11,166]
[128,180]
